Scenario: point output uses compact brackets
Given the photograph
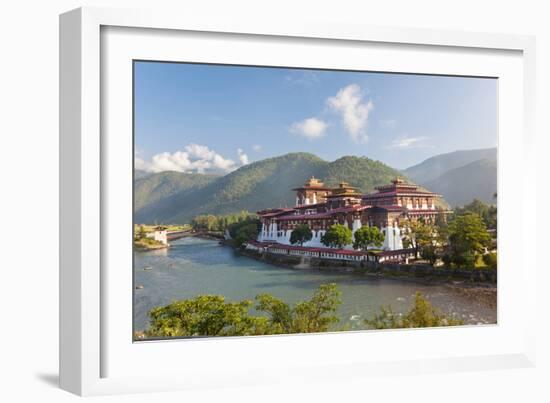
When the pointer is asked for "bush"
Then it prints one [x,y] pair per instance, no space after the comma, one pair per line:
[422,314]
[211,315]
[490,260]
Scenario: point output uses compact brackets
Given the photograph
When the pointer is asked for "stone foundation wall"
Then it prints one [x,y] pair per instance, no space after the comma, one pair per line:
[386,269]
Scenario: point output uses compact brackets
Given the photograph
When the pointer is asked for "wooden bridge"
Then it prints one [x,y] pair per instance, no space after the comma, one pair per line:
[173,235]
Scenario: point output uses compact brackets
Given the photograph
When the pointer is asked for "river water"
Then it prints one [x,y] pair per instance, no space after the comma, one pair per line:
[193,266]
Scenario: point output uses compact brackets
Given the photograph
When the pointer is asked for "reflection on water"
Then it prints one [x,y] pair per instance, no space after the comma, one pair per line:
[193,266]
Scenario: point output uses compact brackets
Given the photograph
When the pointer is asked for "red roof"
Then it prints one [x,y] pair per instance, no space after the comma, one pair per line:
[329,213]
[422,211]
[305,206]
[320,250]
[257,243]
[396,252]
[397,193]
[312,188]
[331,250]
[389,208]
[273,213]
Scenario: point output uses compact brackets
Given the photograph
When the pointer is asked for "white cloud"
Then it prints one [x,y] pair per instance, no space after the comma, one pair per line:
[257,147]
[193,158]
[348,102]
[242,156]
[139,163]
[312,128]
[408,142]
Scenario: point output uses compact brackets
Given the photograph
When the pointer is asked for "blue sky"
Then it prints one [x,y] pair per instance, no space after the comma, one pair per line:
[210,118]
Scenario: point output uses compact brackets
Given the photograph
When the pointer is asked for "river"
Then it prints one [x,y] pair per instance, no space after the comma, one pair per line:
[193,266]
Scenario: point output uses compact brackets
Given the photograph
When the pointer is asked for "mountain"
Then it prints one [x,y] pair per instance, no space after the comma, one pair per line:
[139,173]
[438,165]
[259,185]
[151,188]
[476,180]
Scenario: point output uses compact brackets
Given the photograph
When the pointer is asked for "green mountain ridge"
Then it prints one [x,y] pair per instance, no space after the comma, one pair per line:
[259,185]
[151,188]
[432,168]
[461,185]
[175,197]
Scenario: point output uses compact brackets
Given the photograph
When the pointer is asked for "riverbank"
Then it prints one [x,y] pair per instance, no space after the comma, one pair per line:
[194,266]
[147,244]
[477,285]
[483,294]
[419,272]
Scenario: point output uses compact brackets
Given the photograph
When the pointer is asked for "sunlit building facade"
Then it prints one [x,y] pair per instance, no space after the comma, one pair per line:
[319,207]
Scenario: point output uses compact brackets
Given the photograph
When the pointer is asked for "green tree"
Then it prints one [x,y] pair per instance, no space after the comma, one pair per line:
[206,315]
[430,253]
[367,236]
[422,314]
[313,315]
[317,314]
[490,260]
[337,236]
[468,238]
[419,235]
[141,232]
[246,232]
[211,315]
[487,212]
[302,233]
[210,222]
[279,312]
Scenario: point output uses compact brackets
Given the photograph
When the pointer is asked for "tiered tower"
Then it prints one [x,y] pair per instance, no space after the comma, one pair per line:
[312,192]
[342,196]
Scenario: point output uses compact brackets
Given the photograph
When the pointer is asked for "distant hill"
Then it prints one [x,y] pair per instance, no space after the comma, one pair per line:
[149,188]
[139,173]
[461,185]
[438,165]
[256,186]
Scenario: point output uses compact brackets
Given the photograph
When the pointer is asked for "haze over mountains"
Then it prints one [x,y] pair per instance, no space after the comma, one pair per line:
[175,197]
[459,176]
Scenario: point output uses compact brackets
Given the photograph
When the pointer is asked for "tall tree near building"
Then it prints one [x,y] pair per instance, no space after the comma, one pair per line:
[337,236]
[367,236]
[468,238]
[419,235]
[487,212]
[301,234]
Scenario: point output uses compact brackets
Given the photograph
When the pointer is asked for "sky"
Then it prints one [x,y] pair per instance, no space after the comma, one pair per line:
[214,118]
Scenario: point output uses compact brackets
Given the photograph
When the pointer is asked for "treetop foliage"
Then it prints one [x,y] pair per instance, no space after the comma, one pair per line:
[487,212]
[367,236]
[211,222]
[337,236]
[212,315]
[422,314]
[301,234]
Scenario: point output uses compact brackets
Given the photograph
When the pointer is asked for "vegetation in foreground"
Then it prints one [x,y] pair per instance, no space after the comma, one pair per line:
[211,315]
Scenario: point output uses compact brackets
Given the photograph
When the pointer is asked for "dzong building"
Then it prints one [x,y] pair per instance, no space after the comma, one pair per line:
[320,206]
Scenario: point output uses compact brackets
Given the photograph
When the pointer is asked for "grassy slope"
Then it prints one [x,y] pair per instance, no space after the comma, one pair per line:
[151,188]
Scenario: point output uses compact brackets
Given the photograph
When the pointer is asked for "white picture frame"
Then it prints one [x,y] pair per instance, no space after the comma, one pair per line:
[93,349]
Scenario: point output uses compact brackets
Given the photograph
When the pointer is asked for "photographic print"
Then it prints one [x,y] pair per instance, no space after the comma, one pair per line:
[274,200]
